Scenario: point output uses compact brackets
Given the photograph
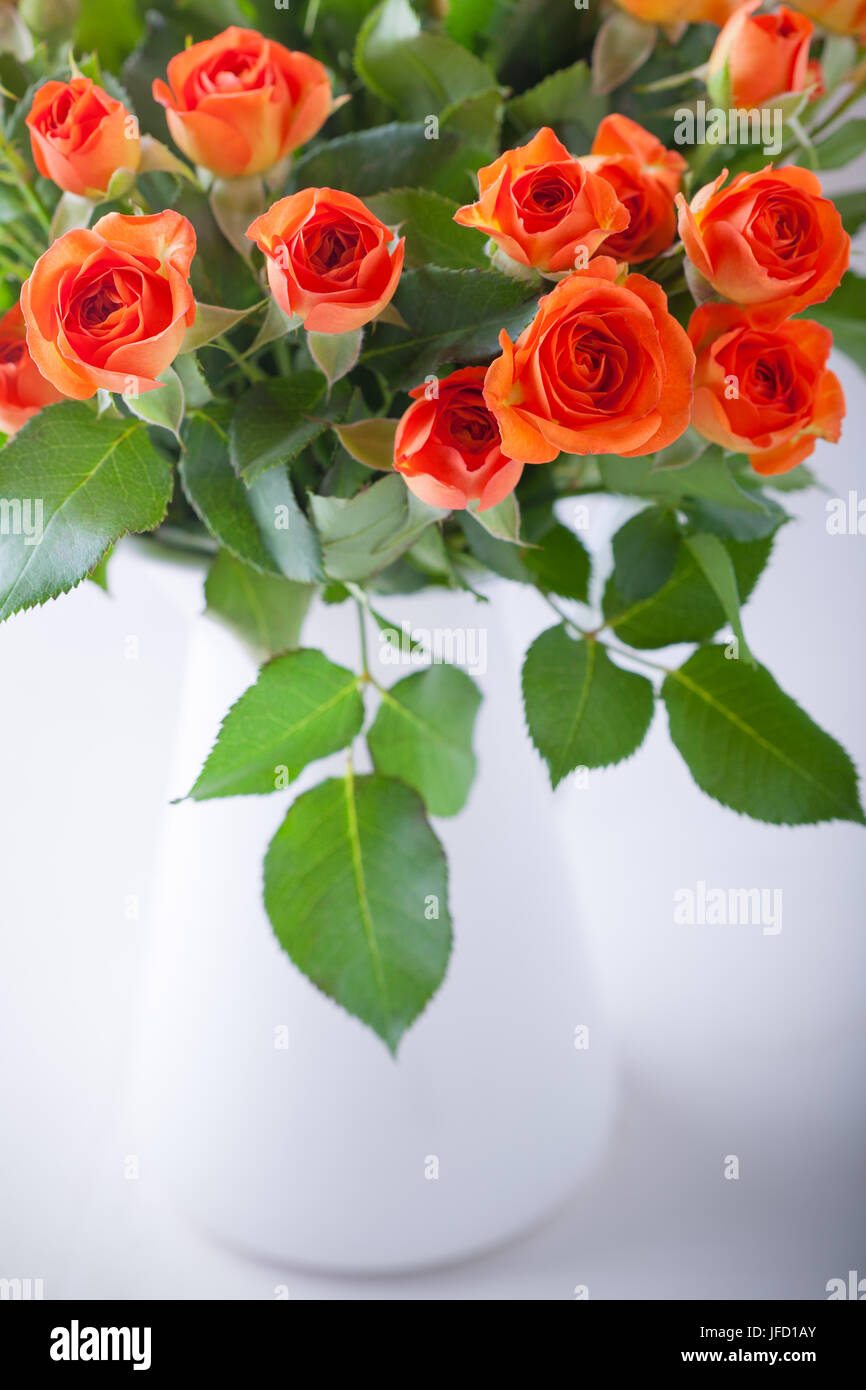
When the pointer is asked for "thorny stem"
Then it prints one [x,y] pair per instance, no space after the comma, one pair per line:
[362,634]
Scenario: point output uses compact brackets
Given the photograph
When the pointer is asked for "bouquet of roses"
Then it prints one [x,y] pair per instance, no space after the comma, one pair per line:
[354,300]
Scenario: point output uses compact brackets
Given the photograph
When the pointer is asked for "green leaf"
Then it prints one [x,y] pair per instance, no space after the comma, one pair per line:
[844,314]
[748,744]
[501,521]
[682,452]
[718,569]
[162,407]
[94,479]
[432,236]
[851,207]
[417,73]
[364,534]
[217,494]
[581,709]
[843,145]
[370,442]
[272,423]
[468,20]
[356,887]
[302,707]
[708,478]
[196,391]
[335,354]
[622,46]
[265,610]
[422,735]
[565,101]
[452,316]
[286,531]
[686,608]
[645,552]
[211,321]
[560,564]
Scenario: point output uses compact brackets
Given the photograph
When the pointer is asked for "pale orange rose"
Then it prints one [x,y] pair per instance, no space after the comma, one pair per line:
[23,388]
[603,368]
[108,308]
[541,206]
[330,261]
[768,242]
[645,177]
[80,136]
[765,392]
[238,103]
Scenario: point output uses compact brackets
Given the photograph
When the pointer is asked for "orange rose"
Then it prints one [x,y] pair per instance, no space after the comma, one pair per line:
[645,177]
[758,57]
[23,388]
[602,368]
[239,103]
[839,16]
[448,446]
[80,136]
[764,392]
[768,242]
[330,261]
[673,12]
[110,306]
[540,205]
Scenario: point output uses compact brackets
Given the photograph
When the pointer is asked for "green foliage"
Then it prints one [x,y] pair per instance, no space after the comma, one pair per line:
[581,709]
[748,744]
[422,735]
[265,610]
[301,708]
[356,887]
[77,483]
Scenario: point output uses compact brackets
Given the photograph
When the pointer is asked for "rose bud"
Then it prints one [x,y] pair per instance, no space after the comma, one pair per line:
[80,136]
[540,205]
[768,242]
[23,388]
[759,57]
[330,262]
[839,16]
[108,308]
[448,446]
[645,177]
[239,103]
[764,392]
[603,368]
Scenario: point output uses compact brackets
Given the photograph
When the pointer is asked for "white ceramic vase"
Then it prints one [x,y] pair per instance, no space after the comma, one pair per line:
[282,1125]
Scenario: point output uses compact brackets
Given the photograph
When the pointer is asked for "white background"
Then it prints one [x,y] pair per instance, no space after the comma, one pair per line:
[730,1042]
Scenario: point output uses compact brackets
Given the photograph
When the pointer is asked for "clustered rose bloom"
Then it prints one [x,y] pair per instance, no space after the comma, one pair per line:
[646,178]
[112,303]
[23,388]
[448,445]
[239,103]
[768,242]
[603,368]
[81,136]
[765,392]
[330,261]
[759,57]
[540,205]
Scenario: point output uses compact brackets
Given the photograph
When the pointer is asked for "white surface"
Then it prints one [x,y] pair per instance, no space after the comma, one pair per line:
[732,1042]
[324,1150]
